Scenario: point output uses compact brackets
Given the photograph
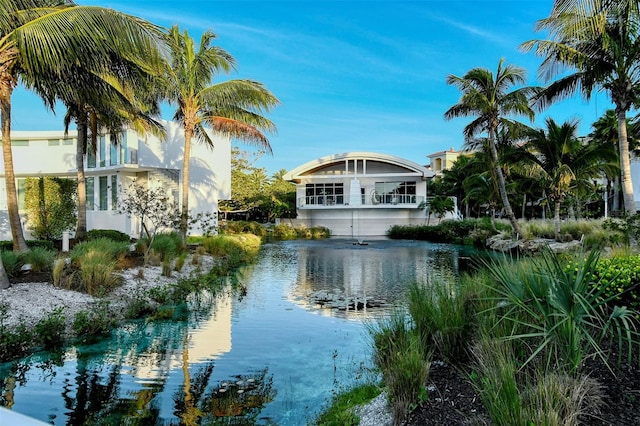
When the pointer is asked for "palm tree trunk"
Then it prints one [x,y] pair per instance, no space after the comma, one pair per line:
[17,235]
[556,221]
[625,163]
[502,186]
[81,227]
[188,133]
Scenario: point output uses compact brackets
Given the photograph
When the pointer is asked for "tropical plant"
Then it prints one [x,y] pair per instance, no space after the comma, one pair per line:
[233,107]
[490,99]
[600,42]
[50,204]
[563,161]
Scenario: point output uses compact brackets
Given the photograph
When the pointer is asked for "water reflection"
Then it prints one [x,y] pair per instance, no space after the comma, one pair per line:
[338,277]
[258,355]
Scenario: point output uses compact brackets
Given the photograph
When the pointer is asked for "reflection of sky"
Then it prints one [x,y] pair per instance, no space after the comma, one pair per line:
[272,327]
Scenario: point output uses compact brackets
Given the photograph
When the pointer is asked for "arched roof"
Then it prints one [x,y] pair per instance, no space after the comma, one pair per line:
[407,166]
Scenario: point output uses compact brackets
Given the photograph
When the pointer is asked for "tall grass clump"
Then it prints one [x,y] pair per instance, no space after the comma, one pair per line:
[244,227]
[235,249]
[441,316]
[400,356]
[97,261]
[538,228]
[114,250]
[41,259]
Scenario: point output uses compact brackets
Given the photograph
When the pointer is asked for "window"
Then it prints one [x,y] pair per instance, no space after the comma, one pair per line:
[114,192]
[396,192]
[124,157]
[19,143]
[90,184]
[91,158]
[103,151]
[21,189]
[113,153]
[324,193]
[54,142]
[103,189]
[67,141]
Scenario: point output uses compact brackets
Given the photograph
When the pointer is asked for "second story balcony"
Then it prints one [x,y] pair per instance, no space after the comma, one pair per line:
[373,200]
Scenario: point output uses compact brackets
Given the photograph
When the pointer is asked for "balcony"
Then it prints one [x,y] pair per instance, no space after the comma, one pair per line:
[364,201]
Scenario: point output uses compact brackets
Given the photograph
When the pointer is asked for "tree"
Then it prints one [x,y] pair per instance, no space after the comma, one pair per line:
[40,39]
[491,100]
[600,42]
[564,161]
[248,184]
[233,107]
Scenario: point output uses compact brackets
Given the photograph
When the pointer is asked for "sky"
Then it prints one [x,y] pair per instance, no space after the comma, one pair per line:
[353,75]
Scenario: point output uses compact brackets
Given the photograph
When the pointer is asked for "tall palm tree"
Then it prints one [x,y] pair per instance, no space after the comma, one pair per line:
[492,99]
[39,39]
[232,107]
[600,42]
[564,162]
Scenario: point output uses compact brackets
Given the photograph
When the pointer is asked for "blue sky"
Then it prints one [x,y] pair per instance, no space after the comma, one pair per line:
[354,75]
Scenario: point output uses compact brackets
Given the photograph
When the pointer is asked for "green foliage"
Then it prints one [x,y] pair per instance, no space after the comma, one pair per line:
[8,245]
[441,314]
[51,206]
[399,353]
[139,306]
[41,259]
[288,232]
[340,412]
[560,312]
[101,247]
[97,261]
[235,248]
[447,231]
[109,234]
[617,278]
[244,227]
[12,262]
[16,343]
[91,325]
[50,331]
[168,246]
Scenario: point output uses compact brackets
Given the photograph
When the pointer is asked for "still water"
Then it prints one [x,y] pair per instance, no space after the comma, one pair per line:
[264,354]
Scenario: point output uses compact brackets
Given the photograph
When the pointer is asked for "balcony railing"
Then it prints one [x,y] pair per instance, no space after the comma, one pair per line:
[374,200]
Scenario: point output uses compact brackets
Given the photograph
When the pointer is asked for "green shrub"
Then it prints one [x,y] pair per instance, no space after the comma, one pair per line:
[107,249]
[90,325]
[109,234]
[8,245]
[41,259]
[97,273]
[13,344]
[618,278]
[244,227]
[236,249]
[167,246]
[139,306]
[50,331]
[12,262]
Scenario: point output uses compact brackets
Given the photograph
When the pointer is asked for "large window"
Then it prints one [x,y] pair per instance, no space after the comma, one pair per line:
[113,154]
[103,190]
[89,185]
[103,151]
[114,192]
[124,156]
[324,193]
[395,192]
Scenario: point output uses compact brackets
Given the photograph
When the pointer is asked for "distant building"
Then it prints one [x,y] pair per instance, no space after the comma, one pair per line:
[358,194]
[443,160]
[117,164]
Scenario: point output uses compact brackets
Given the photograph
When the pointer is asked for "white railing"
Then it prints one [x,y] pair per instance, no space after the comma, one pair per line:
[381,200]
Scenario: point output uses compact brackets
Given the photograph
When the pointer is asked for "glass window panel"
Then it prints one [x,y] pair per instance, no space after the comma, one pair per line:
[113,153]
[114,192]
[103,192]
[19,143]
[89,184]
[67,141]
[124,155]
[53,142]
[103,151]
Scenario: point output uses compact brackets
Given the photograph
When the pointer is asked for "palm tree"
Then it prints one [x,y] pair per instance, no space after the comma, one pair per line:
[40,40]
[491,100]
[600,41]
[232,107]
[564,161]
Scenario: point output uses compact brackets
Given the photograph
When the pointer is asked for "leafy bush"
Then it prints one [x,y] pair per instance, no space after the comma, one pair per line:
[168,246]
[236,249]
[244,227]
[51,329]
[90,325]
[109,234]
[618,279]
[51,206]
[8,245]
[13,344]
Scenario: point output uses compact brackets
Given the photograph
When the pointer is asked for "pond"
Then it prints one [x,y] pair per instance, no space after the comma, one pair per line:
[272,351]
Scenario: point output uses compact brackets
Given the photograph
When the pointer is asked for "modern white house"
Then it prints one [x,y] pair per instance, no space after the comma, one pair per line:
[360,194]
[114,166]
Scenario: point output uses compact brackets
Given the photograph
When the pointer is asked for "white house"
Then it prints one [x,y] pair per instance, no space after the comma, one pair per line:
[117,164]
[359,194]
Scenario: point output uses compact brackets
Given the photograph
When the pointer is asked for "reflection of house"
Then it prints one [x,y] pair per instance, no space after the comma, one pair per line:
[359,193]
[114,165]
[442,160]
